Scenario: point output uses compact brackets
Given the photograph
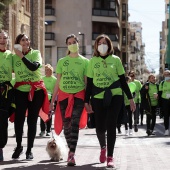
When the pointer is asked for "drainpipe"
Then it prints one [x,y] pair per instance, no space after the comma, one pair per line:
[32,24]
[168,41]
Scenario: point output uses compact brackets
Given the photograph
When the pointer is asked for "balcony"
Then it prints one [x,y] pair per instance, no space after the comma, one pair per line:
[105,15]
[113,37]
[104,12]
[50,39]
[50,14]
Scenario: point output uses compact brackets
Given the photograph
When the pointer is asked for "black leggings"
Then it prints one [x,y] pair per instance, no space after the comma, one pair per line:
[22,104]
[166,112]
[106,120]
[71,125]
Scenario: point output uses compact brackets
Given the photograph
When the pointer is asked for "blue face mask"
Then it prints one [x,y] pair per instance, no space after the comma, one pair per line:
[167,78]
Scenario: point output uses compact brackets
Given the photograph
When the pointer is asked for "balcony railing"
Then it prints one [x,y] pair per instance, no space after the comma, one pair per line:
[113,37]
[49,11]
[124,40]
[49,36]
[104,12]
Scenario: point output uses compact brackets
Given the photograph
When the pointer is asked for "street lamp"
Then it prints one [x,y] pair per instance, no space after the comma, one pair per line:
[83,47]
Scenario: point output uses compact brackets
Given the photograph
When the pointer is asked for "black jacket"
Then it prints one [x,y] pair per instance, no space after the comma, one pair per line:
[145,98]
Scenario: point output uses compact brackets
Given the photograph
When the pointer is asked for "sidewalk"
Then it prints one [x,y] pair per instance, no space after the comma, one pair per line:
[136,152]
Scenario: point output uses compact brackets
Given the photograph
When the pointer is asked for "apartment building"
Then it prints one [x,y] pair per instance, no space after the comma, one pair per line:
[136,50]
[162,59]
[26,16]
[86,19]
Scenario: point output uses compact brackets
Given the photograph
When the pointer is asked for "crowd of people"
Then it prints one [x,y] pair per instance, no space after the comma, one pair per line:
[96,86]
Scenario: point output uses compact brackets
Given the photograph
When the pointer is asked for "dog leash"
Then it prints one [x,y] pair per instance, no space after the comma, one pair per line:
[52,134]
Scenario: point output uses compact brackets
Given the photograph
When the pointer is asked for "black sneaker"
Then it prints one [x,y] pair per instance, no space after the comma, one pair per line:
[17,152]
[48,134]
[1,155]
[136,128]
[29,155]
[153,133]
[148,132]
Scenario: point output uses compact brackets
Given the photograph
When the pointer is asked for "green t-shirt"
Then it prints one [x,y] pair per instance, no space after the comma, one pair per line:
[49,84]
[22,73]
[132,87]
[104,72]
[73,71]
[137,98]
[153,89]
[6,60]
[165,88]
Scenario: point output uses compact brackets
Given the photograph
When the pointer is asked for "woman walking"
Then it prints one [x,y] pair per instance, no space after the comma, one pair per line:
[70,88]
[30,93]
[149,101]
[6,89]
[105,81]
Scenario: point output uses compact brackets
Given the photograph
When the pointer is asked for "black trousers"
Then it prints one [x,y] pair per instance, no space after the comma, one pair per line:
[22,104]
[136,114]
[106,121]
[166,112]
[45,126]
[5,104]
[129,117]
[151,119]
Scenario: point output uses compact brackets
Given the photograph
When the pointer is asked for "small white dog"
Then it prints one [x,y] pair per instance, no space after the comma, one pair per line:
[56,148]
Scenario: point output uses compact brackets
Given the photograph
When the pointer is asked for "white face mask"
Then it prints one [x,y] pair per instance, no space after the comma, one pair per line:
[103,49]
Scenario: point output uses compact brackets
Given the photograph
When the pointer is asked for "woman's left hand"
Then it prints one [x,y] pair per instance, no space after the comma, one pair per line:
[132,105]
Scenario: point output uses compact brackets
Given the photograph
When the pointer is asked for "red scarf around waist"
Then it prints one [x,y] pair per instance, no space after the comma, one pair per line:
[58,123]
[34,85]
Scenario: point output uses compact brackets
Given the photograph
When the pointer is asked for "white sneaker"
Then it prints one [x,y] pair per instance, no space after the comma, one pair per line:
[166,132]
[130,132]
[126,133]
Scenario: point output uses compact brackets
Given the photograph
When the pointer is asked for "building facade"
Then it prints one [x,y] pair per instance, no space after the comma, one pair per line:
[87,20]
[26,16]
[136,52]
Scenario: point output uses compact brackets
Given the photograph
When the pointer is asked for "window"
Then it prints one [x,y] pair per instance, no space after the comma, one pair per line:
[48,55]
[112,5]
[48,3]
[105,4]
[167,8]
[124,12]
[61,52]
[27,5]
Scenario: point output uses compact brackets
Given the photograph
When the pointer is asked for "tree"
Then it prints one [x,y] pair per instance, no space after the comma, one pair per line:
[3,6]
